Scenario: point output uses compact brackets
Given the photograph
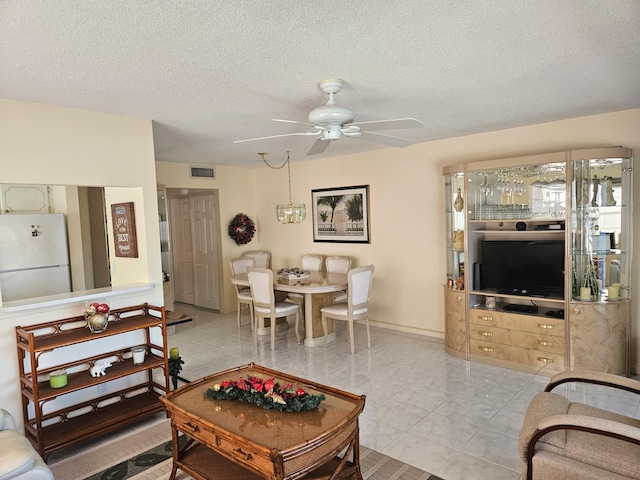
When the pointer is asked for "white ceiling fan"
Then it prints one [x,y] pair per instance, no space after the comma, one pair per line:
[331,122]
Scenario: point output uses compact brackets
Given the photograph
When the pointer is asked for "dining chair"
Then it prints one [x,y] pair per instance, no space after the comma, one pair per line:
[308,263]
[239,265]
[262,257]
[338,264]
[265,305]
[356,307]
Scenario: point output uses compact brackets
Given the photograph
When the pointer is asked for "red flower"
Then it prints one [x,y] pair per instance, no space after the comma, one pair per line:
[269,385]
[300,392]
[244,385]
[225,384]
[257,386]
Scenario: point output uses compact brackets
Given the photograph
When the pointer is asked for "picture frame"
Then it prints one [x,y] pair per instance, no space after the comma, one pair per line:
[124,230]
[341,214]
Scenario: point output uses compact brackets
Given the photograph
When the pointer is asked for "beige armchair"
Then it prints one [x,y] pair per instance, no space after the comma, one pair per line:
[561,439]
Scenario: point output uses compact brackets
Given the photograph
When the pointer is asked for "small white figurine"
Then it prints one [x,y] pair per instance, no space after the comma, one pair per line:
[99,369]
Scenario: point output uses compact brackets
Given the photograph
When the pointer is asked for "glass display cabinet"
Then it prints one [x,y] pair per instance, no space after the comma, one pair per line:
[538,261]
[600,240]
[455,300]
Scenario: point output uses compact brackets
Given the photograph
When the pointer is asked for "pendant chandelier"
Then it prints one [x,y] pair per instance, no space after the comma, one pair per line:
[288,213]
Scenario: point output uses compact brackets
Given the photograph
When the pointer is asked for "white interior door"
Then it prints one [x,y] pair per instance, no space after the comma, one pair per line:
[205,251]
[195,248]
[182,249]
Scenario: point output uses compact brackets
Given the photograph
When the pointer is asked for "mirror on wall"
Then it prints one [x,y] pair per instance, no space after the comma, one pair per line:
[53,239]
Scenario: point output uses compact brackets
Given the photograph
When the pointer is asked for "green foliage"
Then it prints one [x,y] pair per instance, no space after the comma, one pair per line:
[354,209]
[266,394]
[331,201]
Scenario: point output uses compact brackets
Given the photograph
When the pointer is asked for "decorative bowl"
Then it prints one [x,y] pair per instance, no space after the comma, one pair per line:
[97,316]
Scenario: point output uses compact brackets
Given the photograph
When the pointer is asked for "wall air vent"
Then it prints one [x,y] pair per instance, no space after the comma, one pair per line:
[201,172]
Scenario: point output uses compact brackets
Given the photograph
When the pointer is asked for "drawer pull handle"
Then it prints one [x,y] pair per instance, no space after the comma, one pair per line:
[486,349]
[545,360]
[486,334]
[545,326]
[195,428]
[247,456]
[459,298]
[486,318]
[545,344]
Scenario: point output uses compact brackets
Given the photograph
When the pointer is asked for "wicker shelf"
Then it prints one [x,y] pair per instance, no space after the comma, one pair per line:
[89,416]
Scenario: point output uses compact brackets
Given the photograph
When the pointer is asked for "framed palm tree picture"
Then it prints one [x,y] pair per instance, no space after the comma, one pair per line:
[341,214]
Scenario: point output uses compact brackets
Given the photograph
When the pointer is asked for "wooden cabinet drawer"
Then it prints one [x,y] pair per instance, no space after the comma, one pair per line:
[455,336]
[505,336]
[525,356]
[514,321]
[240,452]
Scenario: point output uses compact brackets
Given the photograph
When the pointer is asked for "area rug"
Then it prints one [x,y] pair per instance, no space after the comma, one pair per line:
[146,455]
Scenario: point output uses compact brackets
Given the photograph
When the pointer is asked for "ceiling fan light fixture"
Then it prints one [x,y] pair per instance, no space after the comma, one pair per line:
[330,115]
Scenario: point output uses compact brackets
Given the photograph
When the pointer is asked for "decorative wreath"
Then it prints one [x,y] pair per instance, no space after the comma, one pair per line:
[242,229]
[266,393]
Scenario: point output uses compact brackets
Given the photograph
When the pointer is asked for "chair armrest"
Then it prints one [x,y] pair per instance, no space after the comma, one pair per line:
[584,423]
[7,421]
[596,378]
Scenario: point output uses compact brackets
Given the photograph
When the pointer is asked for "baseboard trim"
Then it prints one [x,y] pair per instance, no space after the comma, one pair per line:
[405,329]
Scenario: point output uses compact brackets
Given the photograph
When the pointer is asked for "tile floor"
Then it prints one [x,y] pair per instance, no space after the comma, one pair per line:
[455,419]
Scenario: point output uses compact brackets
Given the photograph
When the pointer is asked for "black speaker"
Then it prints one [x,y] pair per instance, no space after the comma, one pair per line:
[477,284]
[521,226]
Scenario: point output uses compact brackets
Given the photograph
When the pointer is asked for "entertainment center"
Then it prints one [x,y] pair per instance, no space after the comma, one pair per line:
[538,261]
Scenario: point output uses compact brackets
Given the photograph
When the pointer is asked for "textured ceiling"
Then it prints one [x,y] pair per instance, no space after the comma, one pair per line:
[210,72]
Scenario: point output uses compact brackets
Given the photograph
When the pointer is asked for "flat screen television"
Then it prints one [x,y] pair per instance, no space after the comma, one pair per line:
[520,267]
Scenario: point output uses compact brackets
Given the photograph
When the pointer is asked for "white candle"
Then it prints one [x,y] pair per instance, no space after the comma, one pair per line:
[614,291]
[585,293]
[138,355]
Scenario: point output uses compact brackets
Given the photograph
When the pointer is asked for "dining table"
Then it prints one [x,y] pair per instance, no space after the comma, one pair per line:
[318,289]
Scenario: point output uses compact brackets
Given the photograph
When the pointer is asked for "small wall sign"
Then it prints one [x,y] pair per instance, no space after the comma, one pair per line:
[124,230]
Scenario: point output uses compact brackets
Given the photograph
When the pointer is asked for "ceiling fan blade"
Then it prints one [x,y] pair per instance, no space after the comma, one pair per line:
[319,146]
[393,124]
[386,139]
[297,123]
[350,129]
[277,136]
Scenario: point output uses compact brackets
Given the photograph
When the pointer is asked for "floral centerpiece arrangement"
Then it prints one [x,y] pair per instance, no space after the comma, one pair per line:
[266,393]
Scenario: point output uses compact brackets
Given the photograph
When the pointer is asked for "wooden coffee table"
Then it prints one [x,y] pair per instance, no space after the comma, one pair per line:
[229,439]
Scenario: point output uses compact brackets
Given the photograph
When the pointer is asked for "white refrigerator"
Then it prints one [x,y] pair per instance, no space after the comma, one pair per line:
[34,256]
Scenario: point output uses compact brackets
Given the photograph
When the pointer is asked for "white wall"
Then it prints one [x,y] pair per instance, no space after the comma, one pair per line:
[45,144]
